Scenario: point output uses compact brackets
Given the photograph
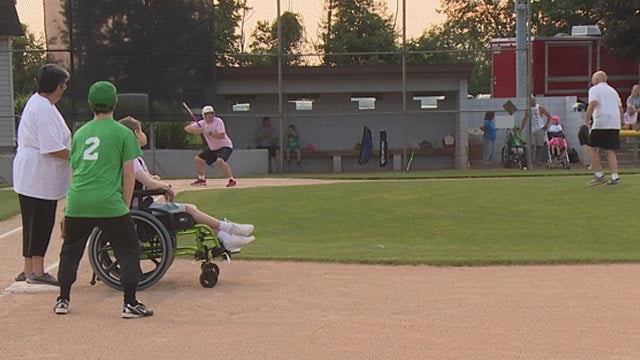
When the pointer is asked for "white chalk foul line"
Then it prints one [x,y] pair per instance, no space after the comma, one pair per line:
[11,232]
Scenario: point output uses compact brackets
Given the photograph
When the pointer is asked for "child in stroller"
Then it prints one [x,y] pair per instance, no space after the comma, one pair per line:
[515,155]
[558,154]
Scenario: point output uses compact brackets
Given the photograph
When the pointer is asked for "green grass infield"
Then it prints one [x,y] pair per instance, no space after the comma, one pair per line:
[440,221]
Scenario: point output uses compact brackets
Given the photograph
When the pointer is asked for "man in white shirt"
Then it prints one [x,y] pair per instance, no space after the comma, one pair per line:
[538,128]
[606,108]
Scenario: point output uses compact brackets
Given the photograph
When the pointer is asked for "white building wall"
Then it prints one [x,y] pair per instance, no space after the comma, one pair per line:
[7,123]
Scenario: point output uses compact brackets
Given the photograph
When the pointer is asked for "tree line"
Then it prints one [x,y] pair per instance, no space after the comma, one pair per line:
[166,48]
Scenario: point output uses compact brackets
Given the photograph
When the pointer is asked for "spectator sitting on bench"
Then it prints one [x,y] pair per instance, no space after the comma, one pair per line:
[267,138]
[293,144]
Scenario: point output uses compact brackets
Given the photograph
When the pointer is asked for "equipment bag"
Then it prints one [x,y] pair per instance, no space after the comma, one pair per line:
[366,147]
[573,156]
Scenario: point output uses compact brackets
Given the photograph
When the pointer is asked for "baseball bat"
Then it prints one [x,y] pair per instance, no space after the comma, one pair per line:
[413,151]
[193,117]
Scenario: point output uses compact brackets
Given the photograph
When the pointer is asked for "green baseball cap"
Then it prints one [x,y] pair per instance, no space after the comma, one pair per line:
[102,95]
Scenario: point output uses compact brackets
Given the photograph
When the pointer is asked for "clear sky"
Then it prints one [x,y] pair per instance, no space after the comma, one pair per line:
[420,14]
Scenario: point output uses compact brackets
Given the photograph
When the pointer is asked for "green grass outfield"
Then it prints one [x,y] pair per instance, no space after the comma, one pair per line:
[9,201]
[460,221]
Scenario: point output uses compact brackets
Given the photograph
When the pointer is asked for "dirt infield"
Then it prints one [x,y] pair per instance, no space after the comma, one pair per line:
[292,310]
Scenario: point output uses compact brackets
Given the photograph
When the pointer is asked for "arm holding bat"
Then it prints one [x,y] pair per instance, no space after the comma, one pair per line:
[195,128]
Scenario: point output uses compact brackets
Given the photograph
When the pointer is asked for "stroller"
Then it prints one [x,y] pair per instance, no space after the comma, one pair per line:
[557,149]
[514,151]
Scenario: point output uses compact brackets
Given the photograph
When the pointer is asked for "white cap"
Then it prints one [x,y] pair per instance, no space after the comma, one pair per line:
[208,109]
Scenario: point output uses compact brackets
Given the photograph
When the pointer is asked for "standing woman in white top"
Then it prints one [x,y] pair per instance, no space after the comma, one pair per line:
[41,174]
[606,108]
[633,106]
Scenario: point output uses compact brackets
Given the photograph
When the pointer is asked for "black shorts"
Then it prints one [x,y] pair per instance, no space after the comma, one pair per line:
[608,139]
[272,149]
[210,156]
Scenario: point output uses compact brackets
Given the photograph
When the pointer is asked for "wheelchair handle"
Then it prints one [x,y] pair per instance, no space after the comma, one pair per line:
[145,193]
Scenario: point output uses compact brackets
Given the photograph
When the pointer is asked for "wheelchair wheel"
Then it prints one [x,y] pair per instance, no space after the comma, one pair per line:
[156,252]
[210,265]
[506,161]
[209,275]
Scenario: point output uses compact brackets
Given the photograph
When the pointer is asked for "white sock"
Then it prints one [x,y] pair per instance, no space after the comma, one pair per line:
[599,174]
[614,176]
[223,236]
[201,177]
[224,226]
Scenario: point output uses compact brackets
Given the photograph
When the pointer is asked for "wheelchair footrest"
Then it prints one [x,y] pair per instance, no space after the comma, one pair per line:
[218,251]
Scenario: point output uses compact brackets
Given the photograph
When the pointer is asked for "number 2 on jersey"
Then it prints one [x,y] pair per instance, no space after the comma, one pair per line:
[90,153]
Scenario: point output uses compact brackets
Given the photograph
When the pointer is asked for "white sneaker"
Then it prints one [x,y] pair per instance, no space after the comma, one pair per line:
[237,241]
[240,229]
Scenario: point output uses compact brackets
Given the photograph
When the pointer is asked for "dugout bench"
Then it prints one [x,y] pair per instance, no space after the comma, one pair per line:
[395,155]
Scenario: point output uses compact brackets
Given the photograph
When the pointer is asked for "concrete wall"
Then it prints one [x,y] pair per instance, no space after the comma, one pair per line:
[179,163]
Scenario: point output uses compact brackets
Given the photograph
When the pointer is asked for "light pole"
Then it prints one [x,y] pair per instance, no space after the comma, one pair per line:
[524,83]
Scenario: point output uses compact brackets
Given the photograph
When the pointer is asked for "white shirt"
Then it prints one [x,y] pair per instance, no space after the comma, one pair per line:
[537,120]
[553,128]
[606,114]
[41,131]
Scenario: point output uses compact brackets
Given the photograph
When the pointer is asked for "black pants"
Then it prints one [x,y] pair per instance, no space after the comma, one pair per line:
[121,234]
[38,217]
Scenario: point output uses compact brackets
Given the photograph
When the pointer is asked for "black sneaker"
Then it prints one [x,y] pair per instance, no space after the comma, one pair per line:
[62,307]
[597,180]
[613,182]
[135,311]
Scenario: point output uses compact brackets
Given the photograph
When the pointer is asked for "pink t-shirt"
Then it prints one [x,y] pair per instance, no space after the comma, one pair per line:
[216,125]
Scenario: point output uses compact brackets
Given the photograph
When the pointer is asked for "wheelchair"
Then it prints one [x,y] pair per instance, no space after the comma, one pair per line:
[158,233]
[513,156]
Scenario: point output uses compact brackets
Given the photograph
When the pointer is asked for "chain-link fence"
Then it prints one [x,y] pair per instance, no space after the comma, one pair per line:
[160,54]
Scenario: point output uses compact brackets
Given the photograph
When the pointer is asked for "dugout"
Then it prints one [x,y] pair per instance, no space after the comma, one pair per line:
[330,106]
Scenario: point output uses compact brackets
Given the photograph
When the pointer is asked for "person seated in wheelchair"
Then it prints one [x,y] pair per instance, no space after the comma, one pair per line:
[556,138]
[232,235]
[515,142]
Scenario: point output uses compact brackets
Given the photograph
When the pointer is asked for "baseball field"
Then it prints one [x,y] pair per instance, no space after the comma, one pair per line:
[500,267]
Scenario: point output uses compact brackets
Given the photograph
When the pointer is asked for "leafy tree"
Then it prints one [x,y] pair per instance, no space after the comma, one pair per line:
[551,17]
[464,37]
[28,57]
[164,48]
[471,24]
[228,15]
[265,41]
[357,26]
[620,20]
